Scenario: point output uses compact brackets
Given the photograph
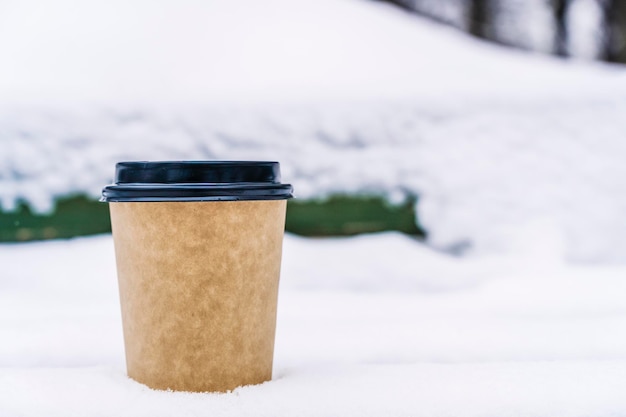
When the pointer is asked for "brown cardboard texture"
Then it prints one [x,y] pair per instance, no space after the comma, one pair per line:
[198,288]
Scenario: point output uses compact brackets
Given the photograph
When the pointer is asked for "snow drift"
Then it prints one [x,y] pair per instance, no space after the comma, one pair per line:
[504,149]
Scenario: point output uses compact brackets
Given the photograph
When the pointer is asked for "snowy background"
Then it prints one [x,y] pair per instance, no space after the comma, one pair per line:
[513,305]
[498,145]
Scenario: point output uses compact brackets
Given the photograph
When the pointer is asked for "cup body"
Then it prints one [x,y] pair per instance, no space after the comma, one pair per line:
[198,288]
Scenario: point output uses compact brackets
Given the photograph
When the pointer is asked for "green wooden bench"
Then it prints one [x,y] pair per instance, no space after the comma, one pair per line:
[335,216]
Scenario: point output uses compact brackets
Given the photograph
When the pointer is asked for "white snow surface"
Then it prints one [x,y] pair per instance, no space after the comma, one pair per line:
[504,149]
[376,325]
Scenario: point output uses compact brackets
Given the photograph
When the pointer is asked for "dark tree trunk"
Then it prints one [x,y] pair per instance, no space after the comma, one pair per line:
[614,30]
[559,8]
[479,16]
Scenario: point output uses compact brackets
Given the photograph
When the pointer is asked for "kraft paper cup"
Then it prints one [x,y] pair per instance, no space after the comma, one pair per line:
[198,248]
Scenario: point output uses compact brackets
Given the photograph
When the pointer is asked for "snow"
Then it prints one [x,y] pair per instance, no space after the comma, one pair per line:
[516,159]
[503,148]
[394,329]
[553,388]
[167,50]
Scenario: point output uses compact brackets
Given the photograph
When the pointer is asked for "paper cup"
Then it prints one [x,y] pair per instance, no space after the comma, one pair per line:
[198,249]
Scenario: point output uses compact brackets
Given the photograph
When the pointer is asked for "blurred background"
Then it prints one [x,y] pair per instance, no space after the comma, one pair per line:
[479,126]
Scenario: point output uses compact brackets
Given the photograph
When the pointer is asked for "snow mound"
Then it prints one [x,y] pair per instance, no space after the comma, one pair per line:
[503,149]
[278,49]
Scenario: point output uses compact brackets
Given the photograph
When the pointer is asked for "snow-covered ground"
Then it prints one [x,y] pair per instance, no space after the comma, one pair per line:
[351,96]
[519,158]
[375,325]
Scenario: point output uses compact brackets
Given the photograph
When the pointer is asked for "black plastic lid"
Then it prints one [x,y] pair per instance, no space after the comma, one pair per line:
[196,181]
